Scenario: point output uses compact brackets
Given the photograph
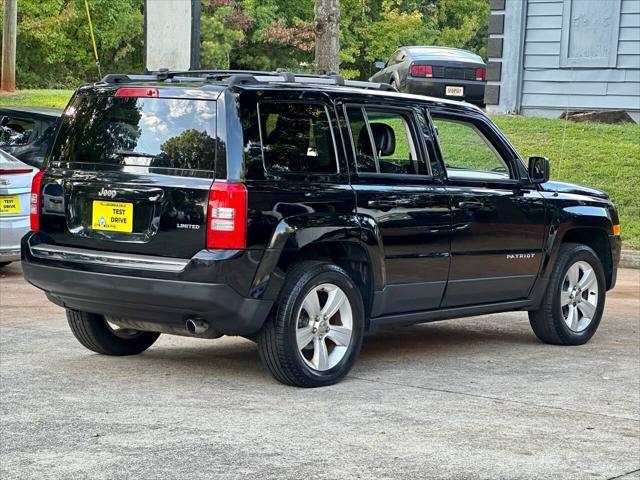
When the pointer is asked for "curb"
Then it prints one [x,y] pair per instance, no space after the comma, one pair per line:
[630,259]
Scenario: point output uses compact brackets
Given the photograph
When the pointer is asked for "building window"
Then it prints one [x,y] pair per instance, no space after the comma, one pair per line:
[590,30]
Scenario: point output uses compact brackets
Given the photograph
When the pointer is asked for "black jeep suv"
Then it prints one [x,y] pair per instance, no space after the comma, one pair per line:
[302,211]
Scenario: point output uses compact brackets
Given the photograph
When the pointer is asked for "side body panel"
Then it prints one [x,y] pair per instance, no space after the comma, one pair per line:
[498,226]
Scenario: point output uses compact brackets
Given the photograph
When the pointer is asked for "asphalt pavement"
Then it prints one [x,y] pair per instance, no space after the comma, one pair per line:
[461,399]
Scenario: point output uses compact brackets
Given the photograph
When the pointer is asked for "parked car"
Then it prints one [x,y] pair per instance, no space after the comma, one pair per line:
[301,212]
[15,190]
[436,71]
[27,132]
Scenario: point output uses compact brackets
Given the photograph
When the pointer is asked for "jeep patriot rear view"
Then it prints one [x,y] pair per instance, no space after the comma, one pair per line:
[302,211]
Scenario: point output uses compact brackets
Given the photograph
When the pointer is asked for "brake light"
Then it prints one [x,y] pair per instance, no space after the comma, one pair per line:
[34,204]
[227,216]
[137,92]
[11,171]
[421,71]
[481,74]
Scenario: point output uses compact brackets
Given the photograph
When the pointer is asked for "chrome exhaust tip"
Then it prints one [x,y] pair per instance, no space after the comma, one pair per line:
[196,327]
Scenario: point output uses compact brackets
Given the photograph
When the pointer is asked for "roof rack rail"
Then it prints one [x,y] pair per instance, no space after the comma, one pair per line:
[247,77]
[310,78]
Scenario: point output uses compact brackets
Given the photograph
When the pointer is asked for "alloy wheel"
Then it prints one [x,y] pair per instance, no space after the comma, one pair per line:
[579,296]
[324,327]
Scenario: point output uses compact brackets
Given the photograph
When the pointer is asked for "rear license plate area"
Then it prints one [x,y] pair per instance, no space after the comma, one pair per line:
[9,204]
[454,91]
[112,216]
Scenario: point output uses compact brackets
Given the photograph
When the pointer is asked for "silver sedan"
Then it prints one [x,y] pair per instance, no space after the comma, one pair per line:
[15,191]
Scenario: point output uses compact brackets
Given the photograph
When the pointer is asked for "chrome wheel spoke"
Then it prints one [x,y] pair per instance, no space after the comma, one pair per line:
[335,300]
[311,304]
[573,274]
[572,318]
[304,336]
[339,335]
[588,310]
[588,279]
[320,358]
[565,298]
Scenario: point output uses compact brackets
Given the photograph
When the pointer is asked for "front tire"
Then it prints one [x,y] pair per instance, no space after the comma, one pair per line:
[95,333]
[314,336]
[572,307]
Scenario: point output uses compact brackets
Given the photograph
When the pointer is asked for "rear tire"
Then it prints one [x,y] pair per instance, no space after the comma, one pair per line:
[314,336]
[572,306]
[94,333]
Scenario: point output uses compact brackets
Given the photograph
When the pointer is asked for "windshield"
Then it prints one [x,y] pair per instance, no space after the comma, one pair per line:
[149,132]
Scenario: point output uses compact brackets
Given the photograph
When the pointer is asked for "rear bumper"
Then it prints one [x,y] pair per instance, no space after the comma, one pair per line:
[162,304]
[12,229]
[436,87]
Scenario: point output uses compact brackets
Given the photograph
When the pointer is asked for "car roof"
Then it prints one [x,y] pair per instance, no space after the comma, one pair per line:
[429,51]
[31,112]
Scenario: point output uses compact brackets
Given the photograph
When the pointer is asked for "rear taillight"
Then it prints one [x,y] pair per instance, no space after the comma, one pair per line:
[227,216]
[481,74]
[137,92]
[34,204]
[12,171]
[421,71]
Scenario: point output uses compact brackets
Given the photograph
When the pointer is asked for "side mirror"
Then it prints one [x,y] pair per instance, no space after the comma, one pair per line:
[379,65]
[539,169]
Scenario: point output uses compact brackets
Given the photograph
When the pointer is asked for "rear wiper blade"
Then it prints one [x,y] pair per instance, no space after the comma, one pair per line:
[131,153]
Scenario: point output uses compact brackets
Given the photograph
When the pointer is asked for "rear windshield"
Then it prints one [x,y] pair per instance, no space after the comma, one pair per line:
[143,132]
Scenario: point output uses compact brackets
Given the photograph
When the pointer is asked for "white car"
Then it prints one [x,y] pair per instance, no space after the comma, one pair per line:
[15,191]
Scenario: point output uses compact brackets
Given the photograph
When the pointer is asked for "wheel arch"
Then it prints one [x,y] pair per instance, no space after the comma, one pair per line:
[352,256]
[340,239]
[586,223]
[596,239]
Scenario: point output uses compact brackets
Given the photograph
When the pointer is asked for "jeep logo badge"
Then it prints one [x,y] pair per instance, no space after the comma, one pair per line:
[107,193]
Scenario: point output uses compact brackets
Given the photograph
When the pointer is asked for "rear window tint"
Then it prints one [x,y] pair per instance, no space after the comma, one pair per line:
[296,137]
[148,132]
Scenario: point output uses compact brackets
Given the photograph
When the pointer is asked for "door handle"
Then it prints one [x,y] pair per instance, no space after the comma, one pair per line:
[471,205]
[382,204]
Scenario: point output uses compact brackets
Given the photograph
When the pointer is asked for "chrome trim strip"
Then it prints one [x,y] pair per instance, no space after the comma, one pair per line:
[118,260]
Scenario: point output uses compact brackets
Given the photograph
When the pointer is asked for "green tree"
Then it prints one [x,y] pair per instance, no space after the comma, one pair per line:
[54,45]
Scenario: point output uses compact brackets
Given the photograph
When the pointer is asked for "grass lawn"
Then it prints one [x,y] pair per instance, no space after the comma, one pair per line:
[39,98]
[606,157]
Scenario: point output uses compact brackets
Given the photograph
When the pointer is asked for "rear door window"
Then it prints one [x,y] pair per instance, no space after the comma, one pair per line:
[15,131]
[296,137]
[384,141]
[149,132]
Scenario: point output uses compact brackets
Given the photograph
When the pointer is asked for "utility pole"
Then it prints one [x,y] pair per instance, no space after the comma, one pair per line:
[327,28]
[9,31]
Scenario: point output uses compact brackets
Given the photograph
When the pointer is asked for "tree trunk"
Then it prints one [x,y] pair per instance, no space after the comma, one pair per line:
[327,28]
[9,30]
